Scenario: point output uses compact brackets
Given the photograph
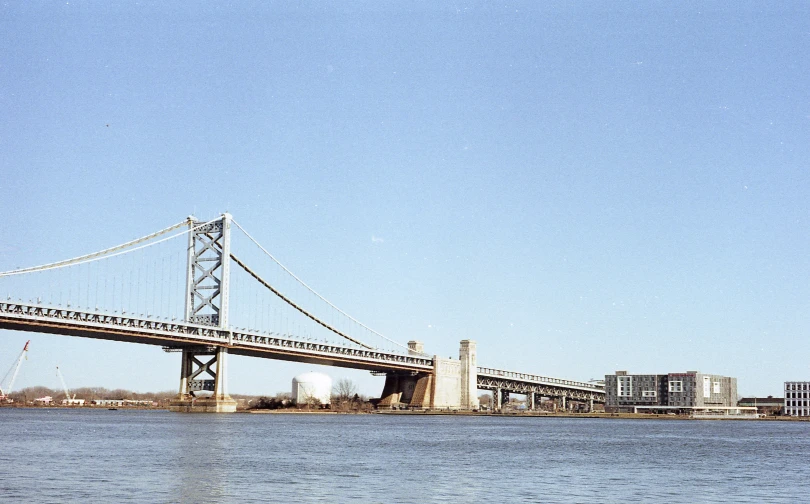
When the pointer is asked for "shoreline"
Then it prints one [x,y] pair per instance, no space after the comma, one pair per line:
[601,415]
[607,416]
[508,414]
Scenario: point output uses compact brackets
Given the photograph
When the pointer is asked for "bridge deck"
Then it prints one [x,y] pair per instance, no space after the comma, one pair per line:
[71,322]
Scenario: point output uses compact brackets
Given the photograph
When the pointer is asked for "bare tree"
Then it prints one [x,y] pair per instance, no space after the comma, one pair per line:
[344,392]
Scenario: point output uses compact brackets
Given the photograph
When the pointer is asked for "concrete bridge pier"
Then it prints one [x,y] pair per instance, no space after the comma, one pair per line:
[203,389]
[406,389]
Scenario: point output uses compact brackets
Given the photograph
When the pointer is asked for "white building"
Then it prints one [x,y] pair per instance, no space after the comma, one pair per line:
[312,387]
[797,402]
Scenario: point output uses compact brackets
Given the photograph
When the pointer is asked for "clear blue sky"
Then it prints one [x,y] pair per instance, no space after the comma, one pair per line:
[580,187]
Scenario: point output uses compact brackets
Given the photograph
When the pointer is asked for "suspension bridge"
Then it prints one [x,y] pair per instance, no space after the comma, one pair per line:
[208,290]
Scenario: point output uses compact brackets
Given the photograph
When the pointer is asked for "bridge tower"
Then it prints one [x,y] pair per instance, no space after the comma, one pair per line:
[203,369]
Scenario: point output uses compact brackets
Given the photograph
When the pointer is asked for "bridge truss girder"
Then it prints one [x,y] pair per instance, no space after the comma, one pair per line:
[518,387]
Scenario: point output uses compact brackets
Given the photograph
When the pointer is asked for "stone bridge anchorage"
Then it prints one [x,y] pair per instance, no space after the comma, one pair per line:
[204,327]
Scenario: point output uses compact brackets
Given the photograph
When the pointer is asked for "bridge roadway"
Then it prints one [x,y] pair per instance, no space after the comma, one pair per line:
[72,322]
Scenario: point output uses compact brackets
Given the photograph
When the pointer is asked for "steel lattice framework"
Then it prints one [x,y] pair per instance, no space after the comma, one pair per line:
[208,273]
[523,383]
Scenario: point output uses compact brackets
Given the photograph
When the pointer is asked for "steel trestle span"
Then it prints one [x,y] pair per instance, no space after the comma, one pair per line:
[523,383]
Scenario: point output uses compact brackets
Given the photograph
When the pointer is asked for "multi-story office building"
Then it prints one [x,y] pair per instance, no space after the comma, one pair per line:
[796,398]
[679,392]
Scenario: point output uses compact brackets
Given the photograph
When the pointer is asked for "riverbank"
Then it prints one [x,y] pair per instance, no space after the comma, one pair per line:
[515,414]
[625,416]
[531,414]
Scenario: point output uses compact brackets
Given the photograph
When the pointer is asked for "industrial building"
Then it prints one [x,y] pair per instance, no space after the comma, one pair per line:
[796,398]
[313,389]
[689,392]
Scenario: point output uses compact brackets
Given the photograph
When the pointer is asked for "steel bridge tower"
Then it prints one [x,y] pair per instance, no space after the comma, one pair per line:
[203,369]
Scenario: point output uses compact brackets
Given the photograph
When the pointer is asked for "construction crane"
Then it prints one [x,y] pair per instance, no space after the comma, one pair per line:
[13,372]
[68,401]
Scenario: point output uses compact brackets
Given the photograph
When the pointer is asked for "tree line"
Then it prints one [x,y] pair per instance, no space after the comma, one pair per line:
[344,397]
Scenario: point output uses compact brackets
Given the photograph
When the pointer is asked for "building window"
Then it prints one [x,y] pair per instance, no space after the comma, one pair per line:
[716,387]
[676,386]
[648,393]
[624,385]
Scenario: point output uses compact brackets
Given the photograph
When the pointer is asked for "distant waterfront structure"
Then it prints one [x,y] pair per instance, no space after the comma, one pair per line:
[122,402]
[796,398]
[766,406]
[312,387]
[688,392]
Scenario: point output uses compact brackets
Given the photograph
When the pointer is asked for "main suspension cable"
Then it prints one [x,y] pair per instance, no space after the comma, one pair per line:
[318,295]
[291,303]
[110,252]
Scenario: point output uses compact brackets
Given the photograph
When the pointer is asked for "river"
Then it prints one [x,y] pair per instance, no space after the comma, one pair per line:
[95,456]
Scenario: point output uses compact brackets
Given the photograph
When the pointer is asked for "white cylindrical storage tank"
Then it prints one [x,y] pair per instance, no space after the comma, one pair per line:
[309,387]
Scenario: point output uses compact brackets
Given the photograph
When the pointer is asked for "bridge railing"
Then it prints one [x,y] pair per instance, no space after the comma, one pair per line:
[512,375]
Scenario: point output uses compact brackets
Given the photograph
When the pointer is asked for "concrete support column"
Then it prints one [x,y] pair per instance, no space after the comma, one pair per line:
[467,355]
[185,373]
[562,404]
[496,400]
[422,391]
[220,388]
[403,389]
[392,392]
[530,405]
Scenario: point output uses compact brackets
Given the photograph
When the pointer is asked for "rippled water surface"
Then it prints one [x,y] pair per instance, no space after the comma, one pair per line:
[154,456]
